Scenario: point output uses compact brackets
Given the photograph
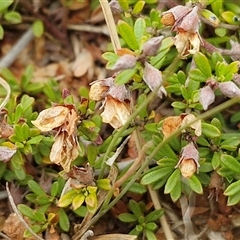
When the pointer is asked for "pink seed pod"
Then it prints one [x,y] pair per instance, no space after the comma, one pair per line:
[153,78]
[207,97]
[190,22]
[229,89]
[151,47]
[126,61]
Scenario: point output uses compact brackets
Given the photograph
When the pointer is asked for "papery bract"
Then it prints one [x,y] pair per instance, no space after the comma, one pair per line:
[153,78]
[126,61]
[151,47]
[229,89]
[206,96]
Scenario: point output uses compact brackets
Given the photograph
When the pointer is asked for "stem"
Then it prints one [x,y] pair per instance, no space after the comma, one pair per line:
[111,24]
[8,89]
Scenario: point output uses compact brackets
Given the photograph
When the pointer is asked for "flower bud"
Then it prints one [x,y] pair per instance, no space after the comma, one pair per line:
[153,78]
[207,97]
[126,61]
[151,47]
[229,89]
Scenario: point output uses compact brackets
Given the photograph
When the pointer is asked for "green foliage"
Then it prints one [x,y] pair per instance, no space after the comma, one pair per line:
[145,221]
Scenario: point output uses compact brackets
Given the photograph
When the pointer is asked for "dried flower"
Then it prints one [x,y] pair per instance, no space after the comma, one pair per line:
[186,23]
[197,126]
[116,101]
[62,119]
[229,89]
[153,78]
[115,112]
[188,163]
[207,96]
[6,153]
[170,124]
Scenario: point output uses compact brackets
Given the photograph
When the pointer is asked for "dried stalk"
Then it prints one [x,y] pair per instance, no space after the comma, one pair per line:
[111,24]
[8,89]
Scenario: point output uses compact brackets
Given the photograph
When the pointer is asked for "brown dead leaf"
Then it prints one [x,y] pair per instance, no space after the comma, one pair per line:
[83,64]
[14,229]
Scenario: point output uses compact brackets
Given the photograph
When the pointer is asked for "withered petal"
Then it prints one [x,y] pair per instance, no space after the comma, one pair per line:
[115,112]
[51,118]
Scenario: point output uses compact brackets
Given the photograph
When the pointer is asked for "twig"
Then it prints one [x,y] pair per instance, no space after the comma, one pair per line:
[111,24]
[8,89]
[19,215]
[7,60]
[5,236]
[163,221]
[89,28]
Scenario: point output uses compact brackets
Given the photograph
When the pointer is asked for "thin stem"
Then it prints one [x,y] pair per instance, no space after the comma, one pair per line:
[111,24]
[8,89]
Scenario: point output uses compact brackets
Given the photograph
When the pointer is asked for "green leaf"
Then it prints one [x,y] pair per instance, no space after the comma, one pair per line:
[124,5]
[150,235]
[216,159]
[104,184]
[138,7]
[26,211]
[230,17]
[67,198]
[151,226]
[179,105]
[13,17]
[127,33]
[134,207]
[5,4]
[172,181]
[26,102]
[139,28]
[35,188]
[154,176]
[54,189]
[195,184]
[154,215]
[63,220]
[38,28]
[230,144]
[1,32]
[210,16]
[203,64]
[136,188]
[177,191]
[230,163]
[210,130]
[233,199]
[78,201]
[35,140]
[232,189]
[109,56]
[127,217]
[92,152]
[125,76]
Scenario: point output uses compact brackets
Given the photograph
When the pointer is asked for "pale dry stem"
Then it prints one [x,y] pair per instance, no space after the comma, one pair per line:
[7,87]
